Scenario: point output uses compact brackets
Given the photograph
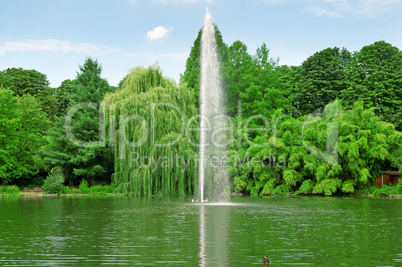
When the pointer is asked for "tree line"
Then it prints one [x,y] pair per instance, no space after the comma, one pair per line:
[327,126]
[33,139]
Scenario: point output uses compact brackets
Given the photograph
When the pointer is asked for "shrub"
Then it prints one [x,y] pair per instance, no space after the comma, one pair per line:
[96,189]
[9,190]
[282,189]
[398,189]
[102,189]
[65,190]
[84,187]
[54,182]
[306,187]
[108,189]
[384,191]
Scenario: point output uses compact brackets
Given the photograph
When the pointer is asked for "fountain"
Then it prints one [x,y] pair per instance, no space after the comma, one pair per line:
[212,128]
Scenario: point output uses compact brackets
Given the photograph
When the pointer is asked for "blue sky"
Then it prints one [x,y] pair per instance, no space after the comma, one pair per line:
[54,37]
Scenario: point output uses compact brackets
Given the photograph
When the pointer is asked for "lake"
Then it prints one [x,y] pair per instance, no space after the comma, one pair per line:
[114,230]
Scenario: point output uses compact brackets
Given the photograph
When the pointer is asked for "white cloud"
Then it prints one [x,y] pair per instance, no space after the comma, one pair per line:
[352,8]
[158,33]
[52,45]
[375,8]
[318,11]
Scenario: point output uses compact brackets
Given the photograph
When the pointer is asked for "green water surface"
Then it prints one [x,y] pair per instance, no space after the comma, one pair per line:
[103,230]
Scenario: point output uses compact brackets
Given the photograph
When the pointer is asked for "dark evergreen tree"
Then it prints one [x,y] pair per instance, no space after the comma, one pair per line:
[237,71]
[76,142]
[321,80]
[375,77]
[192,73]
[63,95]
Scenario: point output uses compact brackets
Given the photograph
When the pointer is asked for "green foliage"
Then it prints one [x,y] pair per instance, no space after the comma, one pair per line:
[84,189]
[237,70]
[286,149]
[321,80]
[252,80]
[9,121]
[282,189]
[23,82]
[54,182]
[327,186]
[371,75]
[340,152]
[306,187]
[9,190]
[97,189]
[374,77]
[398,189]
[64,96]
[102,189]
[65,190]
[30,82]
[22,128]
[31,181]
[152,113]
[78,149]
[348,186]
[386,190]
[192,72]
[89,85]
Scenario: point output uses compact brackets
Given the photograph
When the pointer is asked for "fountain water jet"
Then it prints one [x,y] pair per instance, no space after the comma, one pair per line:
[212,128]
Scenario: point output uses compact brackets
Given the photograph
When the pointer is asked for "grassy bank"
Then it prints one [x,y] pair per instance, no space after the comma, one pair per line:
[9,190]
[83,189]
[13,190]
[383,191]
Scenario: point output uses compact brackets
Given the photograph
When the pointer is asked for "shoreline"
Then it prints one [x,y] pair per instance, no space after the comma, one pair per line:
[39,194]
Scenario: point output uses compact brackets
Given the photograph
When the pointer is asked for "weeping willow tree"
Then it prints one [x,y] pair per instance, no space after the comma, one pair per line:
[151,122]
